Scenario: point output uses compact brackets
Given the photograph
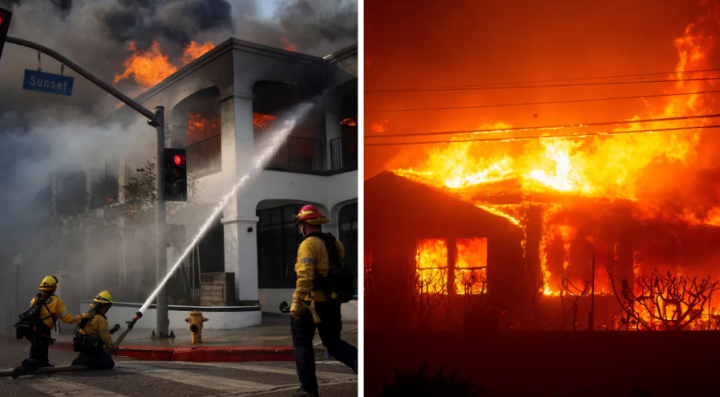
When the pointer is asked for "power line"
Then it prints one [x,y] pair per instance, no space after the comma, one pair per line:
[597,124]
[574,79]
[544,137]
[542,103]
[482,88]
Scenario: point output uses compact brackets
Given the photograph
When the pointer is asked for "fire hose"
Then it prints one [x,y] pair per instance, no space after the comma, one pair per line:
[128,328]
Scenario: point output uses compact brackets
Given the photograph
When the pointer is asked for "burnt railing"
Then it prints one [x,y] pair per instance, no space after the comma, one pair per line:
[204,157]
[344,153]
[298,154]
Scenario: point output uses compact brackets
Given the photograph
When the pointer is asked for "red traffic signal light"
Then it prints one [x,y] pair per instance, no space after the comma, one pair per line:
[5,17]
[179,159]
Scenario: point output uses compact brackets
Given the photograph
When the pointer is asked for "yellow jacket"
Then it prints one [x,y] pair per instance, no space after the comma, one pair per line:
[57,310]
[98,328]
[313,260]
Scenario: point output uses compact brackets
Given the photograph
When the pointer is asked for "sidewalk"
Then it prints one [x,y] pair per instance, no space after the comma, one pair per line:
[270,341]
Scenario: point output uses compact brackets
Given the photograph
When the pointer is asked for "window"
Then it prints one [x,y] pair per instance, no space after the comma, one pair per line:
[468,270]
[277,246]
[348,224]
[471,266]
[431,264]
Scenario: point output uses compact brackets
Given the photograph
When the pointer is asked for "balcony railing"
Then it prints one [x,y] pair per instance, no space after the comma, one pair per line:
[344,153]
[204,157]
[298,154]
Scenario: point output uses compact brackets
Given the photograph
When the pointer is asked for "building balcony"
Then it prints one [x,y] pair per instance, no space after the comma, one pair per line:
[296,154]
[204,157]
[344,153]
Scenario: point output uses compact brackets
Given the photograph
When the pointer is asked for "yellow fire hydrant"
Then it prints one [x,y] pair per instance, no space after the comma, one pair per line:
[196,321]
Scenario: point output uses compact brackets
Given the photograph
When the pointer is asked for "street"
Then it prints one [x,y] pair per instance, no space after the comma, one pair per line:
[153,378]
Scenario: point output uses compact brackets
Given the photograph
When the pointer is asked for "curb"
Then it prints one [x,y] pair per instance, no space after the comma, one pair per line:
[208,354]
[198,354]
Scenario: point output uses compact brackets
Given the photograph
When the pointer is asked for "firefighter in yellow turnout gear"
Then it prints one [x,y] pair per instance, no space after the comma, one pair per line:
[38,321]
[312,267]
[93,336]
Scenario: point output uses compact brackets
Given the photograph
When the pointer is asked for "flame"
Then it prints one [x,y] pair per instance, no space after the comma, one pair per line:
[470,271]
[350,122]
[201,128]
[147,67]
[604,169]
[150,67]
[431,265]
[194,51]
[263,122]
[288,47]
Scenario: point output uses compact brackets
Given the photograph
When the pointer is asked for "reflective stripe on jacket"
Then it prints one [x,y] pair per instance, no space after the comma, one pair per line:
[313,260]
[57,309]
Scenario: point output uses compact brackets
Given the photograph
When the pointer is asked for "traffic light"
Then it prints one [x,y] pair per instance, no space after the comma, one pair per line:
[175,172]
[5,17]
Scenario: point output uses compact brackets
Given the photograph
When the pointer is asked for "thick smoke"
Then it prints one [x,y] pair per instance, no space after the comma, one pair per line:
[95,34]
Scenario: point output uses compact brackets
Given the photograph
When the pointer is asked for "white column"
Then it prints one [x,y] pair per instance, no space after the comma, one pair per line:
[241,255]
[238,148]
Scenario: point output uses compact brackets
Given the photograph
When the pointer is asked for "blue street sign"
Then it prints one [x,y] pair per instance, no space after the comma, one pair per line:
[48,82]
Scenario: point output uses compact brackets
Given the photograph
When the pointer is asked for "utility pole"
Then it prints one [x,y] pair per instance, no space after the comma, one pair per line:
[157,120]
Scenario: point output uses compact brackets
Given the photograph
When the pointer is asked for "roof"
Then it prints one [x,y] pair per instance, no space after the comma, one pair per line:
[394,202]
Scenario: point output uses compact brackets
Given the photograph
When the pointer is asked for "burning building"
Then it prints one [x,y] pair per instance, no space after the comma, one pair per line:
[217,106]
[619,219]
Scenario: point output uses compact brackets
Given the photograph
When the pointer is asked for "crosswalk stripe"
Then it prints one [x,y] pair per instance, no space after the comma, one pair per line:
[57,387]
[282,371]
[277,389]
[195,379]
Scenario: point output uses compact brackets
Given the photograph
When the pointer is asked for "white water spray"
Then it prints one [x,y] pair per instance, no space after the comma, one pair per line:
[258,163]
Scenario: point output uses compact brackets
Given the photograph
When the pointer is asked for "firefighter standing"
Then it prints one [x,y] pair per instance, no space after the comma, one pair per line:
[93,336]
[51,307]
[313,261]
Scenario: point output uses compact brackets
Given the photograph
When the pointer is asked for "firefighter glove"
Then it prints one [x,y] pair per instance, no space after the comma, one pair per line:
[297,309]
[113,349]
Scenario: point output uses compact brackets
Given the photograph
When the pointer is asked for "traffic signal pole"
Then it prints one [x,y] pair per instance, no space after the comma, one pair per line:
[155,119]
[160,224]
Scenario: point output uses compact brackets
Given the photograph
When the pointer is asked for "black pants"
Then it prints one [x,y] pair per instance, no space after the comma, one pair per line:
[303,331]
[39,350]
[95,358]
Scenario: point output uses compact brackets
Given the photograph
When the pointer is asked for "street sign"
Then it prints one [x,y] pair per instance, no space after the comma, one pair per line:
[48,82]
[17,258]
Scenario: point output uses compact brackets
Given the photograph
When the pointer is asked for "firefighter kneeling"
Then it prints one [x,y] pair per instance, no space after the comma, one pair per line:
[93,336]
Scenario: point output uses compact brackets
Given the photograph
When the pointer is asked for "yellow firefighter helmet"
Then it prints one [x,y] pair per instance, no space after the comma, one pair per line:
[49,283]
[104,298]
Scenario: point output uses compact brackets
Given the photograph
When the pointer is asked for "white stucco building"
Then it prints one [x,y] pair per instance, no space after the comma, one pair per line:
[216,107]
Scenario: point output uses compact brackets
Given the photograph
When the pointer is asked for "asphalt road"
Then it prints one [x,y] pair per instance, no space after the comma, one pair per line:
[162,378]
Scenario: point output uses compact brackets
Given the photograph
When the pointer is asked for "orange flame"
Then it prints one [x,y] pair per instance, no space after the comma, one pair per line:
[288,47]
[147,67]
[200,128]
[194,51]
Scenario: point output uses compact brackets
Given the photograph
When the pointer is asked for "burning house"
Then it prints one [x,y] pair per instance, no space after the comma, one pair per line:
[217,106]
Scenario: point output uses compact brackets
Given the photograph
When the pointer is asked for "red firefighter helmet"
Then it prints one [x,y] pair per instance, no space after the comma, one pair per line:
[307,212]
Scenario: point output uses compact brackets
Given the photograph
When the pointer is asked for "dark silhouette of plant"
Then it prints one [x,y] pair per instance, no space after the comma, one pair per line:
[671,302]
[573,294]
[424,384]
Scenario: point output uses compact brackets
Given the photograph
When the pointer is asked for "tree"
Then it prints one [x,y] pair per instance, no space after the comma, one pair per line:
[663,302]
[568,291]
